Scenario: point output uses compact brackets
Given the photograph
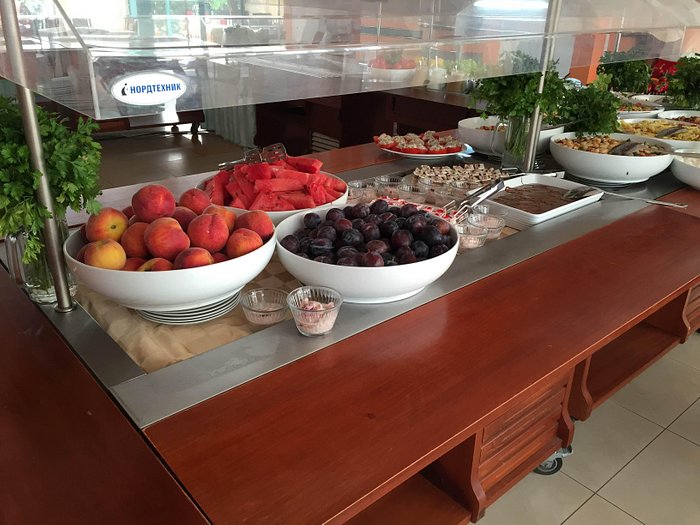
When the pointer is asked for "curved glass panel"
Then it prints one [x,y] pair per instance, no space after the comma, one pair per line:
[237,52]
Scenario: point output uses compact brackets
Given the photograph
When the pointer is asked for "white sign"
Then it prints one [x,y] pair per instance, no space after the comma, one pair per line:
[148,89]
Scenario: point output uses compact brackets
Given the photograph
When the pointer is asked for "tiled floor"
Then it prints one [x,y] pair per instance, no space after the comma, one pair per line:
[636,460]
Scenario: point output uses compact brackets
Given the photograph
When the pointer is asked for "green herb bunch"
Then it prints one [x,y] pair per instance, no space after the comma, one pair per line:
[684,85]
[72,160]
[591,109]
[516,95]
[629,73]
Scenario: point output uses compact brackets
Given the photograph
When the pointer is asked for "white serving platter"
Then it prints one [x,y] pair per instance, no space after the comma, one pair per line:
[521,220]
[466,149]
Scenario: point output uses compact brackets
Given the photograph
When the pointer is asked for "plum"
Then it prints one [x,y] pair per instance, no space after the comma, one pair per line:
[312,220]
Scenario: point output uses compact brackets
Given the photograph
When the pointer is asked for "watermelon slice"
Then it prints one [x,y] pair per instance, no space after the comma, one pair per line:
[305,164]
[332,194]
[246,186]
[281,164]
[215,191]
[317,192]
[238,203]
[271,202]
[259,171]
[299,199]
[234,189]
[272,185]
[292,174]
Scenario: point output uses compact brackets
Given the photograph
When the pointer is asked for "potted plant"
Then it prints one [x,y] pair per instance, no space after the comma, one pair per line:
[628,73]
[591,109]
[72,160]
[684,85]
[513,99]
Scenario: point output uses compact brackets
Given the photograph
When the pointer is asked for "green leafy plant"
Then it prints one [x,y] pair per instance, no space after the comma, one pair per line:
[516,95]
[628,72]
[72,160]
[684,85]
[591,109]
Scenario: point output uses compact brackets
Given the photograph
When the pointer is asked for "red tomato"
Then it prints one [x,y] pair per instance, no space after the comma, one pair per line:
[454,149]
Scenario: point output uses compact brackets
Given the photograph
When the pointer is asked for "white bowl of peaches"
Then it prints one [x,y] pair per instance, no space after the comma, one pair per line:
[161,256]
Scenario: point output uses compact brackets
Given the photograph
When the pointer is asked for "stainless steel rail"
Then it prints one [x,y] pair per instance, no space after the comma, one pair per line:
[148,398]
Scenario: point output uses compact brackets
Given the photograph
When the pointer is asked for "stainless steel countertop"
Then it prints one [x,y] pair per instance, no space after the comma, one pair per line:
[148,398]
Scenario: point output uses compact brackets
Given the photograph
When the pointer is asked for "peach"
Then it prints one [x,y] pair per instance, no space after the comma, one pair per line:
[192,257]
[209,232]
[152,202]
[133,242]
[128,211]
[80,256]
[195,199]
[134,219]
[133,264]
[259,222]
[219,257]
[242,241]
[156,264]
[108,223]
[184,216]
[164,238]
[229,216]
[105,253]
[83,235]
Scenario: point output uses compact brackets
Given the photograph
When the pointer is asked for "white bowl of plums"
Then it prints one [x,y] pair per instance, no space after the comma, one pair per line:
[616,158]
[369,253]
[159,255]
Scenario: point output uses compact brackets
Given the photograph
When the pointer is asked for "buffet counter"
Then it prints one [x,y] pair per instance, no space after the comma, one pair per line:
[469,384]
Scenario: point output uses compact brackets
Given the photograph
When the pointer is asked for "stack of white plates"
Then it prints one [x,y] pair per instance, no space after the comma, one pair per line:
[193,315]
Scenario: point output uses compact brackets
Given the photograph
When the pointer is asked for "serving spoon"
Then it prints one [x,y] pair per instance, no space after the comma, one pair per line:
[580,192]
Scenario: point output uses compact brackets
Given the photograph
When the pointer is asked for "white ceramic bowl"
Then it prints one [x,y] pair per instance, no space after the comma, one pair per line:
[675,113]
[686,172]
[611,169]
[492,142]
[172,290]
[279,216]
[364,285]
[649,112]
[675,144]
[654,99]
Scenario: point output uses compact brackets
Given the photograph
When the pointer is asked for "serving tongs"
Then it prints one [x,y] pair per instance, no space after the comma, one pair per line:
[270,154]
[465,206]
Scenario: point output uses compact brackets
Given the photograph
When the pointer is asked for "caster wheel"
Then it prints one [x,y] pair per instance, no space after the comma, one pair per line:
[549,467]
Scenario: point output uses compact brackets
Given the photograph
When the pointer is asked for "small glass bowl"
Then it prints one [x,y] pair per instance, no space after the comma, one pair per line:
[388,186]
[470,236]
[493,223]
[361,191]
[412,193]
[264,306]
[444,195]
[482,209]
[314,322]
[461,188]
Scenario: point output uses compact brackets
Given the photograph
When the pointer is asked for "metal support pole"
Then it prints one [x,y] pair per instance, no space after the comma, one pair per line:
[25,98]
[550,28]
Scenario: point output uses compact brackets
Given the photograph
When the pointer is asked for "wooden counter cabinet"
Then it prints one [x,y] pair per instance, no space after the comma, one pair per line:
[617,363]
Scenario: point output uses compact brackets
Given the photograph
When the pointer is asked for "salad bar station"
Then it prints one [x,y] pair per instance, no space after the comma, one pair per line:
[551,325]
